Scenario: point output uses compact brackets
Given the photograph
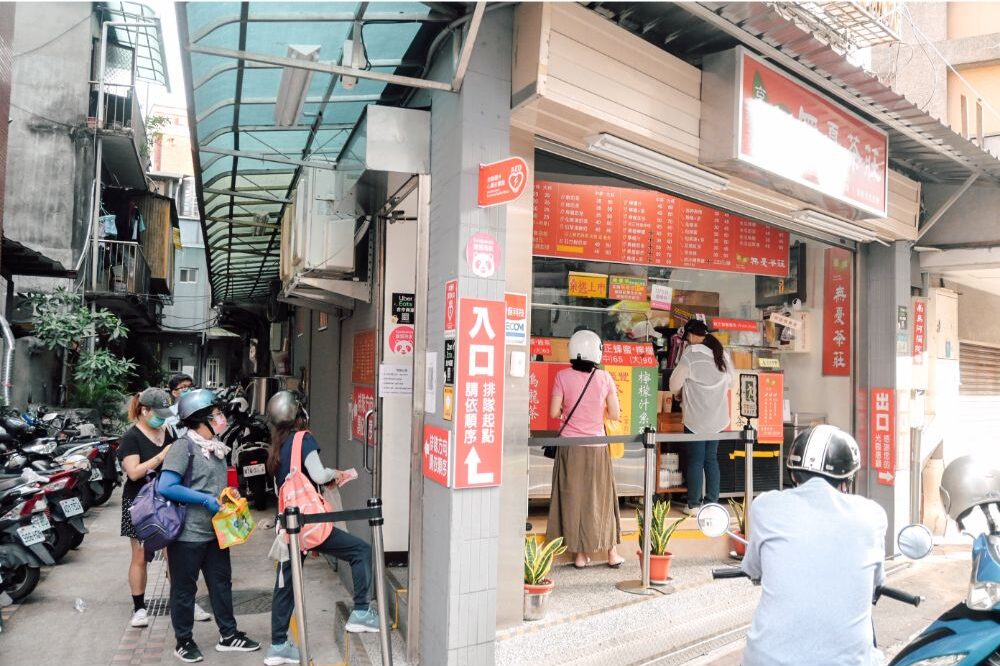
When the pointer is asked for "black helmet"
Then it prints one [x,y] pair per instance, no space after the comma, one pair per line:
[825,450]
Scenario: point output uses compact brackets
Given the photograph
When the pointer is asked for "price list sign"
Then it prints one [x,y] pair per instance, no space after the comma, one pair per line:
[634,226]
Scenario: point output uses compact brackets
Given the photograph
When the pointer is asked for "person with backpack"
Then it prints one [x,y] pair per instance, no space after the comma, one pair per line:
[295,463]
[193,474]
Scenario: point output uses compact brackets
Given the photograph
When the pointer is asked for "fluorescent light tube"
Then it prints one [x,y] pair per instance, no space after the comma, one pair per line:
[655,163]
[294,86]
[832,225]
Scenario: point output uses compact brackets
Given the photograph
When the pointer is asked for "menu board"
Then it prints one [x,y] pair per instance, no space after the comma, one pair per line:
[363,358]
[634,226]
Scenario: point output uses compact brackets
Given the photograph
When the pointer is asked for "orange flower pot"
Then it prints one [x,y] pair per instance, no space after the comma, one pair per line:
[659,567]
[738,546]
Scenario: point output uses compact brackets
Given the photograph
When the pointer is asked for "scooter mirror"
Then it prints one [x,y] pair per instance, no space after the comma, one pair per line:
[713,520]
[915,541]
[51,416]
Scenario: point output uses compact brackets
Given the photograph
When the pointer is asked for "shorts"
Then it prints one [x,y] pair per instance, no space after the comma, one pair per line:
[128,529]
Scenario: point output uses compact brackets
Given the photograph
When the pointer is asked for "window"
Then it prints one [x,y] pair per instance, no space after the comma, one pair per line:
[188,275]
[212,372]
[174,364]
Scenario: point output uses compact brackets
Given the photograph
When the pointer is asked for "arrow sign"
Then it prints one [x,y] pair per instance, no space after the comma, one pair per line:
[475,477]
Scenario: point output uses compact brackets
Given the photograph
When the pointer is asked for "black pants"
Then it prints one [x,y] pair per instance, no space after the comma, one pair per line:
[342,545]
[186,560]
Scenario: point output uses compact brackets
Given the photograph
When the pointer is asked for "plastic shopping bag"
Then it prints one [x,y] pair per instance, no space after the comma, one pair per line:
[611,428]
[233,523]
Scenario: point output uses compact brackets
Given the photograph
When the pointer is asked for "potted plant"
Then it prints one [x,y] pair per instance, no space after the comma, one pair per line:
[739,510]
[661,530]
[537,565]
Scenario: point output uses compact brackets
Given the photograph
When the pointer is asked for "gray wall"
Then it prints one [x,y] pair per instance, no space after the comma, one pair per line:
[192,302]
[972,304]
[974,218]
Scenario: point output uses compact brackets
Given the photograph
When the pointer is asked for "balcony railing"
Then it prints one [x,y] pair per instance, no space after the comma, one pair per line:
[121,114]
[122,269]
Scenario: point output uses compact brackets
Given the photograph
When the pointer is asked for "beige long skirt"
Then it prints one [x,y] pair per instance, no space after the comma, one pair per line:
[584,505]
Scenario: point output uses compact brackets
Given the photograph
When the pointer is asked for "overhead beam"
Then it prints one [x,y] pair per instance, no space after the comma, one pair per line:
[470,42]
[323,67]
[321,17]
[939,213]
[346,99]
[222,131]
[266,157]
[241,223]
[393,63]
[246,195]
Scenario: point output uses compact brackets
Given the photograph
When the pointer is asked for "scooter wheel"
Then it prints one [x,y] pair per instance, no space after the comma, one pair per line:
[22,582]
[59,540]
[76,540]
[103,491]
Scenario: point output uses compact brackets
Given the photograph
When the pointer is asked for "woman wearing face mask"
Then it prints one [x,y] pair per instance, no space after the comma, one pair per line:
[143,448]
[201,457]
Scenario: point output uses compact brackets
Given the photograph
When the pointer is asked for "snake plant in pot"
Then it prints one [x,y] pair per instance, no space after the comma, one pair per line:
[537,565]
[661,529]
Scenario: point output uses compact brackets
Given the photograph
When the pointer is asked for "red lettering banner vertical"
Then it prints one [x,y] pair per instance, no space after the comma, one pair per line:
[919,330]
[479,393]
[882,431]
[437,450]
[771,408]
[837,331]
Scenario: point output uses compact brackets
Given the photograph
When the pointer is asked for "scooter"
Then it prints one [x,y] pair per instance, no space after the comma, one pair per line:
[23,525]
[248,437]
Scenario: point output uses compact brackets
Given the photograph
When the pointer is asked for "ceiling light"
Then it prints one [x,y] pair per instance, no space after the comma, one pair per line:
[832,225]
[294,86]
[656,164]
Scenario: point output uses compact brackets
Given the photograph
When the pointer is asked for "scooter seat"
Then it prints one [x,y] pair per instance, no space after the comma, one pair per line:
[10,482]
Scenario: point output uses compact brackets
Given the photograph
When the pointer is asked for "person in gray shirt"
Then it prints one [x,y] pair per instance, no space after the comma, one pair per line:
[194,473]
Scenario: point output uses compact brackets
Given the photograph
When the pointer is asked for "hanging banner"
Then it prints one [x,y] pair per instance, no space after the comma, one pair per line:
[363,358]
[919,330]
[362,400]
[837,279]
[450,306]
[883,435]
[517,319]
[770,421]
[437,449]
[587,285]
[479,410]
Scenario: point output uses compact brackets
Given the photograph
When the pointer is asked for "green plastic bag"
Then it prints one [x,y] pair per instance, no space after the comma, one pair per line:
[233,523]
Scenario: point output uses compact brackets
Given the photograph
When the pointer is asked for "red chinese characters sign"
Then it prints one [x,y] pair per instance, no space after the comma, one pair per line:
[633,226]
[363,359]
[837,280]
[882,430]
[502,182]
[792,132]
[437,451]
[770,408]
[919,330]
[740,325]
[450,305]
[362,400]
[478,456]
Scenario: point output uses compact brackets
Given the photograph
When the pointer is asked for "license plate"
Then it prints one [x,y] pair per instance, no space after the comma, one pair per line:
[95,474]
[71,507]
[253,470]
[30,535]
[41,521]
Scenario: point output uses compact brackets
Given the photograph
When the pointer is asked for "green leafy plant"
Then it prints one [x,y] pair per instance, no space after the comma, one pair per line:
[662,528]
[740,511]
[538,559]
[154,124]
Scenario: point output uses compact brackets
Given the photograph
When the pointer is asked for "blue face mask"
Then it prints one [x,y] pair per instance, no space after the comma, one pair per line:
[186,390]
[156,421]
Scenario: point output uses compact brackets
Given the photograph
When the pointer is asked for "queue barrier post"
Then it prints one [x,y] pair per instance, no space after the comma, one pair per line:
[293,527]
[643,586]
[380,593]
[749,439]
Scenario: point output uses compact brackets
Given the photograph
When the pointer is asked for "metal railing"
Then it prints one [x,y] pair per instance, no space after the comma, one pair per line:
[121,269]
[121,113]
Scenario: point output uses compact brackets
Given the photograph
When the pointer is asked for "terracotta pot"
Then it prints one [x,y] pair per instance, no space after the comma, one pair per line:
[738,546]
[659,566]
[536,599]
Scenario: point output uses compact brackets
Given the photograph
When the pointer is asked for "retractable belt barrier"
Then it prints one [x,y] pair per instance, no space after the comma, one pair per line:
[292,520]
[649,439]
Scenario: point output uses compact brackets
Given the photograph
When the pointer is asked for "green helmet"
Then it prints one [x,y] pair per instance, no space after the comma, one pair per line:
[195,401]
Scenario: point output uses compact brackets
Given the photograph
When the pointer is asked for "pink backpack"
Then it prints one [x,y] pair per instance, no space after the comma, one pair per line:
[298,490]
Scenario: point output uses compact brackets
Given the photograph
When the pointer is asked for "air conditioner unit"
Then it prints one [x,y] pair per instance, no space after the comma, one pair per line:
[322,231]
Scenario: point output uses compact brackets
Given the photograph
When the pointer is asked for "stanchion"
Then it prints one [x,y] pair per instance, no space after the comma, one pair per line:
[380,593]
[293,527]
[749,439]
[643,586]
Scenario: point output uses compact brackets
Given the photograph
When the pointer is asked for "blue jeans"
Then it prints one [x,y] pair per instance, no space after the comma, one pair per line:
[703,457]
[342,545]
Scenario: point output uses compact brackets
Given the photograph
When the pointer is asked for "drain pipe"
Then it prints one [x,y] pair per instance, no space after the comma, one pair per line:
[8,359]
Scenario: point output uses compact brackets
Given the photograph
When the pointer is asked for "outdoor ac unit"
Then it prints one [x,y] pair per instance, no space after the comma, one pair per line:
[322,231]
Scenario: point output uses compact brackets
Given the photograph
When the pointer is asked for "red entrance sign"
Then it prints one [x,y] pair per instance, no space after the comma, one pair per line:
[437,452]
[919,330]
[502,182]
[770,408]
[744,325]
[883,435]
[362,400]
[450,305]
[363,360]
[479,402]
[837,312]
[633,226]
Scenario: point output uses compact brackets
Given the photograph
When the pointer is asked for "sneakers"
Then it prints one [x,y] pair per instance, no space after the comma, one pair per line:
[201,615]
[286,653]
[691,510]
[361,621]
[238,642]
[140,618]
[188,652]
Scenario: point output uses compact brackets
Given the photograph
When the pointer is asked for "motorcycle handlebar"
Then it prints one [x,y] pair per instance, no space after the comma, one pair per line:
[898,595]
[728,572]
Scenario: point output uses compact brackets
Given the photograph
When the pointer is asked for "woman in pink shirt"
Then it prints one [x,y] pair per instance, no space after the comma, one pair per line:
[584,505]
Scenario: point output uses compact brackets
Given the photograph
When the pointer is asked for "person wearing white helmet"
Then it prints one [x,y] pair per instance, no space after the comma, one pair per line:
[584,505]
[819,553]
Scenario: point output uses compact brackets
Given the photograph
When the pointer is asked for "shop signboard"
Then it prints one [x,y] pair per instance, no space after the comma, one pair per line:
[837,281]
[587,285]
[627,288]
[882,431]
[919,330]
[770,421]
[772,129]
[450,306]
[541,346]
[478,458]
[437,454]
[363,358]
[516,319]
[402,340]
[362,400]
[502,182]
[645,227]
[738,325]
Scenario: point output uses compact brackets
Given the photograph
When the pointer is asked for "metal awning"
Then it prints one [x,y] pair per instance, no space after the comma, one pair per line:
[246,163]
[19,259]
[146,43]
[919,144]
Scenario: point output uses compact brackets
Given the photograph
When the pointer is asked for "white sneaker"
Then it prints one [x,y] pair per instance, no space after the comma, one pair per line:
[201,615]
[140,618]
[691,510]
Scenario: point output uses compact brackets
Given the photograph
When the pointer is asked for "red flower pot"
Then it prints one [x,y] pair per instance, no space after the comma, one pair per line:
[659,566]
[738,546]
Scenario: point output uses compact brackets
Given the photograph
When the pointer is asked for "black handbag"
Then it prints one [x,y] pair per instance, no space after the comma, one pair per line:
[550,451]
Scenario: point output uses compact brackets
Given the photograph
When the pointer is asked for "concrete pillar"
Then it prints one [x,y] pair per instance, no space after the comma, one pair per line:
[460,528]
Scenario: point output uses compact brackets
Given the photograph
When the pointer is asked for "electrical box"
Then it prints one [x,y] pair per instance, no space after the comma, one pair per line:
[321,237]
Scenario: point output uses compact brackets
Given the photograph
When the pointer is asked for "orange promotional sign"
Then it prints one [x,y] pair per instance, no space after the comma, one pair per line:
[502,182]
[770,410]
[587,285]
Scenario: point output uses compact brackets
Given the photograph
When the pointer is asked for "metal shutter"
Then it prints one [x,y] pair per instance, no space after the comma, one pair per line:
[979,366]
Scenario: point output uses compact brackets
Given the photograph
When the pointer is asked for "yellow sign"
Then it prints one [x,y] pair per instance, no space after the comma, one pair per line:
[768,363]
[588,285]
[448,404]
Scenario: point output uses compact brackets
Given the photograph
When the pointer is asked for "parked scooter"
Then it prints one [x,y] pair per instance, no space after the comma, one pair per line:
[248,437]
[23,525]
